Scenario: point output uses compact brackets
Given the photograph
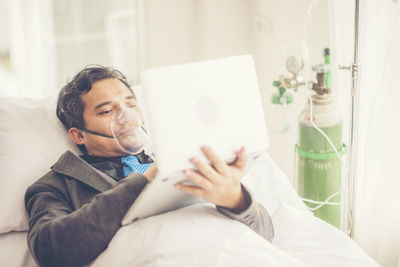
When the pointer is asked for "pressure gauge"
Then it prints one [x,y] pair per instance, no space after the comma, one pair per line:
[294,65]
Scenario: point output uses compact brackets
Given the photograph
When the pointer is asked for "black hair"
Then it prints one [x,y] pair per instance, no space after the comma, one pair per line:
[70,105]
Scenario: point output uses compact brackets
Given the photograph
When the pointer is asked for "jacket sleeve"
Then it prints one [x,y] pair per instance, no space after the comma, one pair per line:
[254,216]
[59,236]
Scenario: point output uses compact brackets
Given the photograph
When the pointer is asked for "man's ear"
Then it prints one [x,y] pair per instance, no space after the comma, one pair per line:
[76,136]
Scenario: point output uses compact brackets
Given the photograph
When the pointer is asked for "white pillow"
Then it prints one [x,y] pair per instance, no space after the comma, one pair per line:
[31,140]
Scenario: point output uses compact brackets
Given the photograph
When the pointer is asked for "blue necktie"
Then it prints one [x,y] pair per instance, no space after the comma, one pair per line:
[132,164]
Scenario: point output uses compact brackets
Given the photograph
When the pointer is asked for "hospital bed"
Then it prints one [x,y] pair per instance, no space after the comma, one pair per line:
[31,140]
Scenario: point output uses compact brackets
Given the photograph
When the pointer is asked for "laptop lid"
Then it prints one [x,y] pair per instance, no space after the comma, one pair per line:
[214,102]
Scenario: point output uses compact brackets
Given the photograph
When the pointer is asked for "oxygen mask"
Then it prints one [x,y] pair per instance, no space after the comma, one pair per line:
[128,132]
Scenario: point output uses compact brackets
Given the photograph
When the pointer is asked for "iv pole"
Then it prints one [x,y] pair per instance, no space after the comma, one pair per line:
[353,143]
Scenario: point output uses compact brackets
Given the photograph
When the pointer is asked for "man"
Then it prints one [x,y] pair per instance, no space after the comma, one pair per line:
[77,207]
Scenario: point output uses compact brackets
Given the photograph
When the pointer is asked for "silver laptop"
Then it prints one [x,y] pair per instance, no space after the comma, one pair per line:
[214,102]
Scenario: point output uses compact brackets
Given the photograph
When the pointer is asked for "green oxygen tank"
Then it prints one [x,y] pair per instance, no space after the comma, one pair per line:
[318,168]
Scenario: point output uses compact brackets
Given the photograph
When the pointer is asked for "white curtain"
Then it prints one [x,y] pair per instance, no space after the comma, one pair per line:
[377,204]
[32,47]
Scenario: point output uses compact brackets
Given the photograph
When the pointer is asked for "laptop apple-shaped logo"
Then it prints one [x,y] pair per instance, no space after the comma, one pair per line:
[208,110]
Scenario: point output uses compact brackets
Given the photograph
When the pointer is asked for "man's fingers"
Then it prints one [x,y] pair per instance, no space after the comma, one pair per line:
[205,169]
[241,158]
[198,179]
[219,165]
[194,190]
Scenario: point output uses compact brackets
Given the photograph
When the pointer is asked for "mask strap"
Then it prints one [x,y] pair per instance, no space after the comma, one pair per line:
[95,133]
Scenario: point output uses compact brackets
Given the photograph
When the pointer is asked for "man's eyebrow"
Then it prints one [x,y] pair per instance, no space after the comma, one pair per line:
[102,104]
[110,102]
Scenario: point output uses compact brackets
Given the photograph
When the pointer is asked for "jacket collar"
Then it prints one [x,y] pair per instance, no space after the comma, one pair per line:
[73,166]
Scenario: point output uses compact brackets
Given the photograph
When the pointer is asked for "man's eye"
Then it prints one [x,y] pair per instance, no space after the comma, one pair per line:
[131,105]
[105,112]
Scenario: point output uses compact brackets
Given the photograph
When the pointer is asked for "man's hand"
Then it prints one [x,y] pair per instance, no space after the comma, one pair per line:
[218,183]
[151,172]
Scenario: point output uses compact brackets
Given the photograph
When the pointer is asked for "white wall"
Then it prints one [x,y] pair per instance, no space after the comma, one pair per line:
[104,36]
[181,31]
[8,82]
[4,39]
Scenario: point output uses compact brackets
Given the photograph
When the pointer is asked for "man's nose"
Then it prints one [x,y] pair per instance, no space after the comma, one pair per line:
[121,118]
[127,118]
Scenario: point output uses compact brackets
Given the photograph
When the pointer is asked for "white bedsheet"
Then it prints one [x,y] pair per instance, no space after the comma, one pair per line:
[200,236]
[315,242]
[14,250]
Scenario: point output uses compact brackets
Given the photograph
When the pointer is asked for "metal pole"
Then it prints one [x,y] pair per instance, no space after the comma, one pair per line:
[353,142]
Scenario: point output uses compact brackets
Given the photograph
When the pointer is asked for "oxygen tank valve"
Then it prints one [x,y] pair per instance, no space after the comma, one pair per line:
[320,86]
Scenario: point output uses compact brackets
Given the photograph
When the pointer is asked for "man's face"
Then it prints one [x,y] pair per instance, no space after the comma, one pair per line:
[104,99]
